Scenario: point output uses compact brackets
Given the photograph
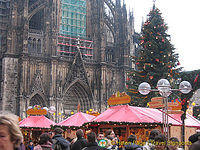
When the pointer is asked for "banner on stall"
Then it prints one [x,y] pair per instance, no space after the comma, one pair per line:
[119,98]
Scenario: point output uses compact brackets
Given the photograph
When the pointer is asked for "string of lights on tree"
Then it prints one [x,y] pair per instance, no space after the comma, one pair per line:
[156,58]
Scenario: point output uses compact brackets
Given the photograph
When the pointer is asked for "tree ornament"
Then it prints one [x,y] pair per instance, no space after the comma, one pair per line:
[163,40]
[169,66]
[128,79]
[156,37]
[178,63]
[157,59]
[150,77]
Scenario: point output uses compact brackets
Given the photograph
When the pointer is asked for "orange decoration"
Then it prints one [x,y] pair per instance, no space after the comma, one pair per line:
[123,98]
[36,112]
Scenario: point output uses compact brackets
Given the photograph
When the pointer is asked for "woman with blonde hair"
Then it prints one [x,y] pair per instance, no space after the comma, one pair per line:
[10,134]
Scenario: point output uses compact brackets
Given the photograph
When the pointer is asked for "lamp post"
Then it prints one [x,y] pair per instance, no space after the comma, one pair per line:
[164,89]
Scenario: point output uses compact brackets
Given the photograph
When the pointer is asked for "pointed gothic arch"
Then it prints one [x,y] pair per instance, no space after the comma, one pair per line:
[36,7]
[37,98]
[77,92]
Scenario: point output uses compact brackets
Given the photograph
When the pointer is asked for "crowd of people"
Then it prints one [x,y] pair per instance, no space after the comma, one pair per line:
[11,138]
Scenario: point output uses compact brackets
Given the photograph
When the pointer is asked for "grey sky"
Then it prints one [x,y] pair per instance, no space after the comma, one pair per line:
[182,17]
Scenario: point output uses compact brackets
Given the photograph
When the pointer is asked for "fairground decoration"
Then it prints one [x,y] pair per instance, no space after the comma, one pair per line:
[119,98]
[174,107]
[36,110]
[156,102]
[92,112]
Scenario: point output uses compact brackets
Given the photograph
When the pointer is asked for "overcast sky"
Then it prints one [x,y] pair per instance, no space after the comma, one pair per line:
[183,20]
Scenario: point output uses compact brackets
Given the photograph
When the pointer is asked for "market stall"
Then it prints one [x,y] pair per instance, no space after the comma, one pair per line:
[74,122]
[191,126]
[33,126]
[126,120]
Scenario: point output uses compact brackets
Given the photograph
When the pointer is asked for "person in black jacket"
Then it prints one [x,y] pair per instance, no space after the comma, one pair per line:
[59,142]
[80,142]
[131,143]
[92,144]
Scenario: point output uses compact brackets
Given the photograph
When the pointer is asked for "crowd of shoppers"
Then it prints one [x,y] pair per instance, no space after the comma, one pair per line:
[11,139]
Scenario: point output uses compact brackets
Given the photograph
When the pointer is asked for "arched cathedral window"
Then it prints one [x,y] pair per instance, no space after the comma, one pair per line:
[38,46]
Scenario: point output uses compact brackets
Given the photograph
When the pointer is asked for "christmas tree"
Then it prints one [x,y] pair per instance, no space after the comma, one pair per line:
[156,59]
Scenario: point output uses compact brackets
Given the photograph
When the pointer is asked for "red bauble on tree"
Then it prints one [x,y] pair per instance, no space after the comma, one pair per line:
[150,77]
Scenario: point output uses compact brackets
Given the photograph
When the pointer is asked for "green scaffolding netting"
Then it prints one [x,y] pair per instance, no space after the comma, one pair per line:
[73,18]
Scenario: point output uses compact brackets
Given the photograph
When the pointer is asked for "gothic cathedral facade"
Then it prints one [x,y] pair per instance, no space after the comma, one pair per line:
[63,53]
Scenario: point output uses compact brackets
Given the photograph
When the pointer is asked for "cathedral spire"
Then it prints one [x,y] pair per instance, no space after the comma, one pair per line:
[154,3]
[142,23]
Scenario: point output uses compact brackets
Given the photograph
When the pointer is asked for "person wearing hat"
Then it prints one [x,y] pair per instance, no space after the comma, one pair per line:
[30,145]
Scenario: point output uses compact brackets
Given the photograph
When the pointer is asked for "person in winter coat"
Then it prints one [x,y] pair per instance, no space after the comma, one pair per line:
[131,143]
[59,142]
[160,142]
[80,142]
[30,145]
[92,144]
[111,140]
[149,145]
[44,143]
[173,144]
[22,147]
[195,146]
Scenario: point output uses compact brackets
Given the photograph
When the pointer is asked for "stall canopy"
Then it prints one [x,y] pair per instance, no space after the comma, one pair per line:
[36,122]
[190,121]
[76,120]
[131,114]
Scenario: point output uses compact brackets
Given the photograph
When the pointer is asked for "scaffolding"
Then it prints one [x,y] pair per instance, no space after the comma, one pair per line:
[73,18]
[68,46]
[73,26]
